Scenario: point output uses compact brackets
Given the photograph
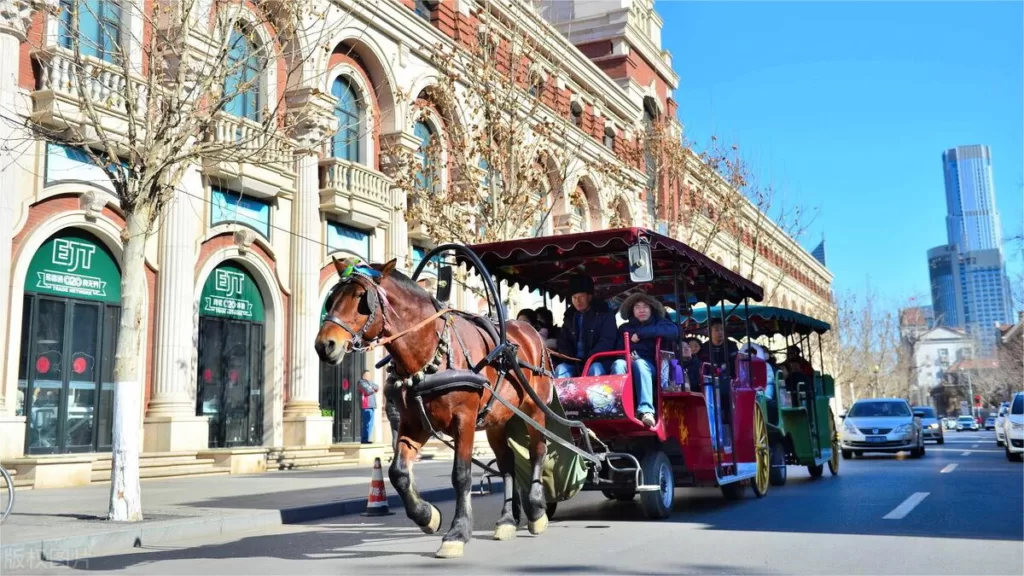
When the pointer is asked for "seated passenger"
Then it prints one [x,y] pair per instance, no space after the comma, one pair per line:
[796,363]
[719,351]
[546,327]
[529,316]
[588,328]
[646,323]
[691,363]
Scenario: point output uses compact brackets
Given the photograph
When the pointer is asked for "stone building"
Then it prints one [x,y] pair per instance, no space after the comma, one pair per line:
[241,266]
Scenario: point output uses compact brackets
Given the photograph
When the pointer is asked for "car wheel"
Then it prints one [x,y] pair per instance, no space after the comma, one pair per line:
[1011,456]
[999,443]
[847,455]
[858,453]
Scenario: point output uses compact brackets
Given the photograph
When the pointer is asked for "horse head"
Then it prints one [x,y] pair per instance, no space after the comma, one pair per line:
[356,310]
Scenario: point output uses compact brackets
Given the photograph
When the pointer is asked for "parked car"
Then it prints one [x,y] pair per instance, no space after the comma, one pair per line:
[1013,429]
[882,425]
[1000,434]
[966,423]
[930,428]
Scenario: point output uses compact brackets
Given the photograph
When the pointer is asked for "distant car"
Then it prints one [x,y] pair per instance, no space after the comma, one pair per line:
[1000,433]
[949,423]
[1013,429]
[966,423]
[990,423]
[882,425]
[930,427]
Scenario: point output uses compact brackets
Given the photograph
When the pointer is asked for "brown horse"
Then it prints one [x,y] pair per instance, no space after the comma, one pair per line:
[377,305]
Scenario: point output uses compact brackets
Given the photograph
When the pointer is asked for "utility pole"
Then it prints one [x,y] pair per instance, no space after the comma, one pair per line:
[970,392]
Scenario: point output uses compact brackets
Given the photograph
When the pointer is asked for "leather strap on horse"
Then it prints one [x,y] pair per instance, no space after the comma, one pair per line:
[417,326]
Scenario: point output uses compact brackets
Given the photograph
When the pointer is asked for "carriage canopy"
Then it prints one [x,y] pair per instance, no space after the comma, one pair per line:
[762,321]
[546,263]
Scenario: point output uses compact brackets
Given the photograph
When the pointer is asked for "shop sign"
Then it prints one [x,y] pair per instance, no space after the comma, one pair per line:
[231,292]
[74,265]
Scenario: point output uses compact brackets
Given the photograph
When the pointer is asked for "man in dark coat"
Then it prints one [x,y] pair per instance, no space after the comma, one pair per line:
[645,323]
[587,329]
[719,350]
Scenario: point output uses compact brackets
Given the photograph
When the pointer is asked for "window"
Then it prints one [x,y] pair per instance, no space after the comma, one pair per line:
[423,9]
[609,138]
[536,86]
[349,112]
[576,111]
[348,239]
[242,84]
[425,177]
[234,207]
[97,24]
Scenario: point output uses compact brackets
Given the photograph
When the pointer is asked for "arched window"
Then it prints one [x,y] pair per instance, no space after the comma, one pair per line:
[349,112]
[425,177]
[97,24]
[242,83]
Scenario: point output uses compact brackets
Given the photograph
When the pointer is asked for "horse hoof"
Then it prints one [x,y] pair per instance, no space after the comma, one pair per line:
[435,522]
[539,525]
[451,549]
[505,532]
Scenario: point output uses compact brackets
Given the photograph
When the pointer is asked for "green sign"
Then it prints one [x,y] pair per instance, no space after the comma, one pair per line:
[231,292]
[75,264]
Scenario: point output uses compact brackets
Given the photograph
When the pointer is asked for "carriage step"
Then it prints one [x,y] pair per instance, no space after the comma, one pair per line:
[648,488]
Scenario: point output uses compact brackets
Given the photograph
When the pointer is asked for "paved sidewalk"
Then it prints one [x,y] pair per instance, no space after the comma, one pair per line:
[70,522]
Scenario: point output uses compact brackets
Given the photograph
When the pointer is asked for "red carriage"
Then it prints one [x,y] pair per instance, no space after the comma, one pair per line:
[707,433]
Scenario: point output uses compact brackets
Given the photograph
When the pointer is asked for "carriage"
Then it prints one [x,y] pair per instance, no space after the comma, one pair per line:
[713,432]
[801,424]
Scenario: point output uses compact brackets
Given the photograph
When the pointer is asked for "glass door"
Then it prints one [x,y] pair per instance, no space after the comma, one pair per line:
[65,380]
[340,398]
[230,381]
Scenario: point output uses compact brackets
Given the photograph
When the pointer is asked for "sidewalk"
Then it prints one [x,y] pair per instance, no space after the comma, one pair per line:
[62,524]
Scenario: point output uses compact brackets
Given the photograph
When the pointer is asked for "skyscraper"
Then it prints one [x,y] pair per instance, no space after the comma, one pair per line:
[972,221]
[969,285]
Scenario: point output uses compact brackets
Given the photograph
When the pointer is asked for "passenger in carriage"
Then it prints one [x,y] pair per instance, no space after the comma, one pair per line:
[587,329]
[718,350]
[796,363]
[546,326]
[691,363]
[645,323]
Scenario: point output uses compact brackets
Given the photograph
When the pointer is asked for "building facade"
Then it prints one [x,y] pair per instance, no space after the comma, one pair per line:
[972,221]
[239,271]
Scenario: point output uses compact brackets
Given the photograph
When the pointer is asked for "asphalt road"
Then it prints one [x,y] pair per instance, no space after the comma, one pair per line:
[958,510]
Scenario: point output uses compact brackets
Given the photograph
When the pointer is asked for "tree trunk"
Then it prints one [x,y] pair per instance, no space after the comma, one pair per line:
[125,493]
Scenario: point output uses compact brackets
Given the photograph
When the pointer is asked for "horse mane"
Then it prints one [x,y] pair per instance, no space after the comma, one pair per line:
[404,281]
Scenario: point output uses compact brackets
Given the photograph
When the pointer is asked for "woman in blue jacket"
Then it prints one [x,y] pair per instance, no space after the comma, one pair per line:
[645,323]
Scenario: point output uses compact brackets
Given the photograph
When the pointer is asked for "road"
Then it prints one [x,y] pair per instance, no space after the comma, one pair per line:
[958,510]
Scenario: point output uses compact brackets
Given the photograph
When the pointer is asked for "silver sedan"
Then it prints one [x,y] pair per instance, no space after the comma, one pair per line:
[885,425]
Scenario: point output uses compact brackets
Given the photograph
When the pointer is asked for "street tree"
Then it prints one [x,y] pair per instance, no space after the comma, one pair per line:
[156,98]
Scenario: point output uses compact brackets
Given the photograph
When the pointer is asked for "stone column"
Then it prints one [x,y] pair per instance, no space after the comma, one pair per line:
[15,16]
[311,122]
[171,423]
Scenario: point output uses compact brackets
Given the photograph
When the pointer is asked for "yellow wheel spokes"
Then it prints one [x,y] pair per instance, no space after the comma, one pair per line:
[761,450]
[835,442]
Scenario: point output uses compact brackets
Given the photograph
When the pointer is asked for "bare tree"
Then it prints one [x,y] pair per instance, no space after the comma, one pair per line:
[179,86]
[507,149]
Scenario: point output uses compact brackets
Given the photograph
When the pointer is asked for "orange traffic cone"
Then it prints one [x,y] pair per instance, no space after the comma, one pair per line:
[377,503]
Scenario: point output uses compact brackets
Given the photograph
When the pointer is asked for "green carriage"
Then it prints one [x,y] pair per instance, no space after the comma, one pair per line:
[801,425]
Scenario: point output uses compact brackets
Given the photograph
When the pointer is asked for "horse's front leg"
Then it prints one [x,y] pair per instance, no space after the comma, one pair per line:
[424,514]
[535,501]
[505,457]
[454,542]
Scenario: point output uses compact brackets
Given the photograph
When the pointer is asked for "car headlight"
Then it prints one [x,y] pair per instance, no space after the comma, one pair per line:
[849,427]
[933,425]
[903,429]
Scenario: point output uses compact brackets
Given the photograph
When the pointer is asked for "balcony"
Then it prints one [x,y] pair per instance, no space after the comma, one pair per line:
[567,223]
[56,102]
[356,194]
[453,217]
[248,157]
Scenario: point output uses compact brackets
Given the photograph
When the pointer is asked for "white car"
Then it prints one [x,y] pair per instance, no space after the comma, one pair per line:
[966,423]
[1000,435]
[1013,429]
[882,425]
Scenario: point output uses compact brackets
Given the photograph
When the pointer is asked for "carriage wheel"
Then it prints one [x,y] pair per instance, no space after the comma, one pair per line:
[833,464]
[658,470]
[762,454]
[779,472]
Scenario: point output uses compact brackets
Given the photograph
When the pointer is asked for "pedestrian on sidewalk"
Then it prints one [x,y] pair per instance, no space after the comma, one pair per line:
[369,391]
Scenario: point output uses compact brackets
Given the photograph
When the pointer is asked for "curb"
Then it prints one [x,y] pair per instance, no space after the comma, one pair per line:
[71,548]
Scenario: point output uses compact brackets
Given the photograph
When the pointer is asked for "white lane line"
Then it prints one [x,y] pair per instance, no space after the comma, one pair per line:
[948,469]
[968,453]
[975,445]
[907,506]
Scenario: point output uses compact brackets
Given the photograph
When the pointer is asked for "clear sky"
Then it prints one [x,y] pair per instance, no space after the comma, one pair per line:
[848,106]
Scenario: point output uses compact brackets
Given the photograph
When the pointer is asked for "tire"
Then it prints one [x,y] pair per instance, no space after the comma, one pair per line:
[858,453]
[762,455]
[816,470]
[658,470]
[847,455]
[779,473]
[833,463]
[942,440]
[734,491]
[999,443]
[550,509]
[1011,456]
[6,494]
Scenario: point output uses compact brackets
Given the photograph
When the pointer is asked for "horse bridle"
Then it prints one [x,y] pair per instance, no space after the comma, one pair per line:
[356,343]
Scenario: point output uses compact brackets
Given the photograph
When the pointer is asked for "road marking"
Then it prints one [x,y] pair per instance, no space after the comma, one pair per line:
[948,469]
[968,453]
[975,445]
[907,506]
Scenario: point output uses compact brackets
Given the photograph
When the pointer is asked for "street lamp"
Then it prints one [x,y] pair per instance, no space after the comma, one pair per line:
[970,391]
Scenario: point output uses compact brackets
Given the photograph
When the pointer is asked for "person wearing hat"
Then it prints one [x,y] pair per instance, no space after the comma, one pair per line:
[645,323]
[587,329]
[796,363]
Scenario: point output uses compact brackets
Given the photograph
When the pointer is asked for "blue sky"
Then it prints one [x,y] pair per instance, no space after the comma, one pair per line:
[847,107]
